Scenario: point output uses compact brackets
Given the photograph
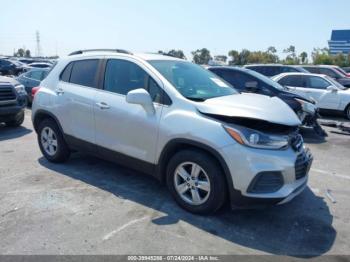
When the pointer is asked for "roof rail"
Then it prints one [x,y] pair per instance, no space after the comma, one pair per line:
[79,52]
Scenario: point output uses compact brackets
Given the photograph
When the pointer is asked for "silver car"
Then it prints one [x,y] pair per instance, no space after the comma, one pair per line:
[175,121]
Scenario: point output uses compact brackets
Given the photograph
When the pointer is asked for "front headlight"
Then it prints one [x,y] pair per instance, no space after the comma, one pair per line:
[20,89]
[306,106]
[252,138]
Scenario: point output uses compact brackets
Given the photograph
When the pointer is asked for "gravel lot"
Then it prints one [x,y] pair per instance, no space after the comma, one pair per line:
[90,206]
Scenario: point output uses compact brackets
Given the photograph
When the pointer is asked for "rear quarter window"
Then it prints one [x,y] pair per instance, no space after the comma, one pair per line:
[84,72]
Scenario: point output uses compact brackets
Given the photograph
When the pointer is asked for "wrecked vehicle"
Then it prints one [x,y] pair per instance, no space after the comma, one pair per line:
[176,121]
[249,81]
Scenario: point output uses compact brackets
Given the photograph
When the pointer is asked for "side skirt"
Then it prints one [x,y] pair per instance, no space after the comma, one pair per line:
[113,156]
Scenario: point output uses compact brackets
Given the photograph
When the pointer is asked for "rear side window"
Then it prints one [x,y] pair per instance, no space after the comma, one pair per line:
[295,81]
[288,69]
[65,75]
[84,73]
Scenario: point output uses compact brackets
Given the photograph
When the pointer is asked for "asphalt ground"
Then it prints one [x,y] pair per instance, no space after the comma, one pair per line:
[90,206]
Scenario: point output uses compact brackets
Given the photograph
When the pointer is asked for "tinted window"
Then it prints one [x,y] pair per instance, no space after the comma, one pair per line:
[84,73]
[317,82]
[65,75]
[314,70]
[328,72]
[230,76]
[295,81]
[123,76]
[287,69]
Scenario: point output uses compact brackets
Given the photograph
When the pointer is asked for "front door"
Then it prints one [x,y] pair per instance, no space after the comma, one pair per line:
[122,127]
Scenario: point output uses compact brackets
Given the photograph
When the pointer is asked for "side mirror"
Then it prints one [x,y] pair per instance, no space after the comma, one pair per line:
[141,97]
[333,89]
[251,85]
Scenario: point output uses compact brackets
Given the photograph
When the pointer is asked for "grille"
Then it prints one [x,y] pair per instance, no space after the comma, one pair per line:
[7,93]
[302,166]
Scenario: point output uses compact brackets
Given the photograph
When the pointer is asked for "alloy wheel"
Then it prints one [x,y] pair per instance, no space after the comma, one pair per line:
[192,183]
[49,141]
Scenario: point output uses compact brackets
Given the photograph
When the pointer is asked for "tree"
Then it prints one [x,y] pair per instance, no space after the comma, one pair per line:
[176,53]
[291,58]
[243,57]
[271,50]
[27,53]
[20,52]
[201,56]
[234,55]
[303,57]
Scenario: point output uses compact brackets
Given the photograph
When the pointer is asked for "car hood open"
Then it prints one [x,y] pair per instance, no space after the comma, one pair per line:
[253,106]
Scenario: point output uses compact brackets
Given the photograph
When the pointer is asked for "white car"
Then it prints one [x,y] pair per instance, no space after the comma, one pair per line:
[175,121]
[328,93]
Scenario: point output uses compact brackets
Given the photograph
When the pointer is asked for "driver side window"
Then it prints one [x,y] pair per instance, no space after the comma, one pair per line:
[123,76]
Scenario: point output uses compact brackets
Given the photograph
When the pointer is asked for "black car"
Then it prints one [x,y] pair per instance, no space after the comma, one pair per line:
[32,79]
[13,100]
[330,71]
[275,69]
[8,67]
[245,80]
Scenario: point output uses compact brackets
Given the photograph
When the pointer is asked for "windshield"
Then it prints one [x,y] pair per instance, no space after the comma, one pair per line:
[266,80]
[193,81]
[340,70]
[335,83]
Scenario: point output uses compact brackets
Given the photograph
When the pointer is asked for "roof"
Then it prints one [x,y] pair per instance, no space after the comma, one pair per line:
[340,35]
[143,56]
[298,74]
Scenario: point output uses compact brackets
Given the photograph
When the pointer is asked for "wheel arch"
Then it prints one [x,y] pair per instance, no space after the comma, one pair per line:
[176,145]
[40,115]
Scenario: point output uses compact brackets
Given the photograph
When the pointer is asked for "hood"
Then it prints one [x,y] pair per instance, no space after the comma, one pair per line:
[8,80]
[288,94]
[253,106]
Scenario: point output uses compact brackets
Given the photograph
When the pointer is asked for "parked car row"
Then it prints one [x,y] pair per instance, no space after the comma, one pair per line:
[327,85]
[10,66]
[186,126]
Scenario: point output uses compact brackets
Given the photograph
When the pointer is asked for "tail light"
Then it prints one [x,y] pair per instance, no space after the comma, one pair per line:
[34,90]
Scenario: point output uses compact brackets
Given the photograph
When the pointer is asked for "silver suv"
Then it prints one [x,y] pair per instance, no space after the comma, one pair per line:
[175,121]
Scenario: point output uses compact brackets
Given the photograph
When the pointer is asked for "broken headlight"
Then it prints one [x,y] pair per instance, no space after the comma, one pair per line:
[306,106]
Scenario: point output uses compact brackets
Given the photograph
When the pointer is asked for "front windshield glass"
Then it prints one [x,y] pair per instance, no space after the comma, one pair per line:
[335,83]
[266,80]
[193,81]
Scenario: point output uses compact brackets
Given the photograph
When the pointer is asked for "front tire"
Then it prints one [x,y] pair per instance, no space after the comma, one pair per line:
[51,142]
[196,181]
[17,121]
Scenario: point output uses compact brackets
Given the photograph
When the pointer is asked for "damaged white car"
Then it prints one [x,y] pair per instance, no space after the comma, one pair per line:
[176,121]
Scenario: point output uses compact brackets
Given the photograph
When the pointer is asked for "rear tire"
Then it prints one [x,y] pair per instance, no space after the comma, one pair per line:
[204,189]
[17,121]
[51,142]
[347,112]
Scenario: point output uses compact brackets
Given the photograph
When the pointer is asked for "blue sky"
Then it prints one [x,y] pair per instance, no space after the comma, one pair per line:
[152,25]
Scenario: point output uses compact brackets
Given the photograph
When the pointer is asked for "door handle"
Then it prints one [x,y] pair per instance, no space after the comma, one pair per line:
[59,91]
[103,105]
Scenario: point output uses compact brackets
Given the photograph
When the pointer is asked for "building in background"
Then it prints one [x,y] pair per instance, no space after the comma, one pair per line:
[340,42]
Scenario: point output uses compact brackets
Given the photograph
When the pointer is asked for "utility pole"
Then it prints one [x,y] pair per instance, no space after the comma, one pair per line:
[38,47]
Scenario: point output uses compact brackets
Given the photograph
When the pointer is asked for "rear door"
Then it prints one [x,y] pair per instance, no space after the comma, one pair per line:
[75,96]
[122,128]
[317,89]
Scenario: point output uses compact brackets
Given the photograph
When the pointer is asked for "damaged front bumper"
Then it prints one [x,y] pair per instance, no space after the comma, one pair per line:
[266,177]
